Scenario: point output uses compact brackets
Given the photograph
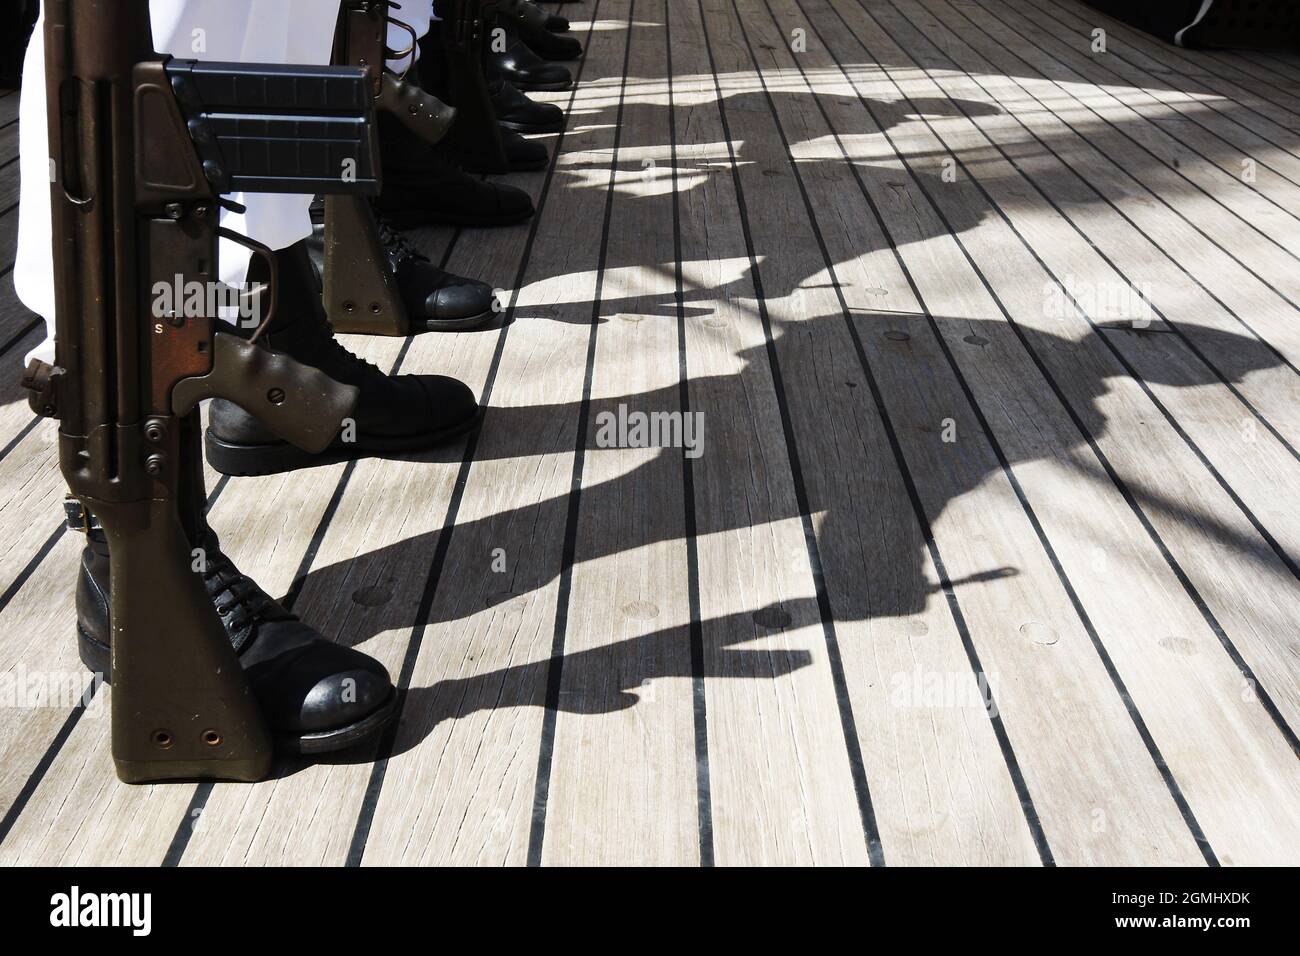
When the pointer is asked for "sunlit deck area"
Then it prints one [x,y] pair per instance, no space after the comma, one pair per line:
[963,526]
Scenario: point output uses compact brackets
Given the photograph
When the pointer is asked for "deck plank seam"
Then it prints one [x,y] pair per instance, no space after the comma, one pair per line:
[866,809]
[699,699]
[555,663]
[385,749]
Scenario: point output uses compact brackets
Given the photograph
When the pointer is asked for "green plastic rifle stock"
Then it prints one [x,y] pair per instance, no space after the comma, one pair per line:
[142,146]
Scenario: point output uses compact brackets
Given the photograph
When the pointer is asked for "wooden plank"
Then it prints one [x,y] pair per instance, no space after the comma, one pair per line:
[794,729]
[471,738]
[1126,228]
[1252,469]
[8,237]
[9,186]
[1046,449]
[1279,62]
[1218,71]
[39,653]
[1175,70]
[1167,362]
[1205,154]
[983,539]
[622,782]
[9,107]
[8,148]
[1255,67]
[389,541]
[20,330]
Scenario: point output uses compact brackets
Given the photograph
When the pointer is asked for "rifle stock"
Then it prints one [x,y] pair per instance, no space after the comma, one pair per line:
[141,146]
[360,293]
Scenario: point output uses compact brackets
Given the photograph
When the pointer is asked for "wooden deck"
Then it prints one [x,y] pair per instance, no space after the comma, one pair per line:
[971,570]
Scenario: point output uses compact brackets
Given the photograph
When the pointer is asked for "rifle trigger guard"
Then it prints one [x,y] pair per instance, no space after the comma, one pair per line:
[272,285]
[409,51]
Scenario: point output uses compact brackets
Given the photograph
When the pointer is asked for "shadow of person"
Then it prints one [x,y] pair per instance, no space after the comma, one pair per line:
[699,167]
[478,608]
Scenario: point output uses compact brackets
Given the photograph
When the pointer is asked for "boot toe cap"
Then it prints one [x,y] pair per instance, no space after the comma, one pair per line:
[451,402]
[306,684]
[513,202]
[460,301]
[526,154]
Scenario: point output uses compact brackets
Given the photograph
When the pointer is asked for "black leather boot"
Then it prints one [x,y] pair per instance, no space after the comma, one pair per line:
[397,413]
[530,21]
[453,56]
[423,188]
[522,155]
[316,696]
[435,300]
[522,67]
[517,112]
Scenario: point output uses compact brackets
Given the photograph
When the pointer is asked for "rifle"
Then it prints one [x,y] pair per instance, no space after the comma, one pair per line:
[359,291]
[142,146]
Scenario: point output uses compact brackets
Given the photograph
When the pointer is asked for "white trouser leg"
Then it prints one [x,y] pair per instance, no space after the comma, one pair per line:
[240,31]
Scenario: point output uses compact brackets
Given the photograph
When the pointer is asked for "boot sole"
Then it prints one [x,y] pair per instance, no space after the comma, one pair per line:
[414,218]
[556,57]
[273,458]
[98,658]
[532,128]
[328,741]
[540,87]
[468,324]
[512,167]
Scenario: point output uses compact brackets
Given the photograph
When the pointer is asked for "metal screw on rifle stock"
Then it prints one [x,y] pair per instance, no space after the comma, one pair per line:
[155,432]
[275,396]
[174,210]
[154,464]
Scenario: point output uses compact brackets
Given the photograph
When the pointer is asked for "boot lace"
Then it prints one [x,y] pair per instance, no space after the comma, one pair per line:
[395,243]
[240,603]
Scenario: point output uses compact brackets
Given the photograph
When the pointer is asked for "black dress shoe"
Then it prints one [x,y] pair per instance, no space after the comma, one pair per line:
[523,155]
[543,42]
[435,300]
[316,696]
[515,111]
[422,187]
[441,194]
[395,413]
[525,69]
